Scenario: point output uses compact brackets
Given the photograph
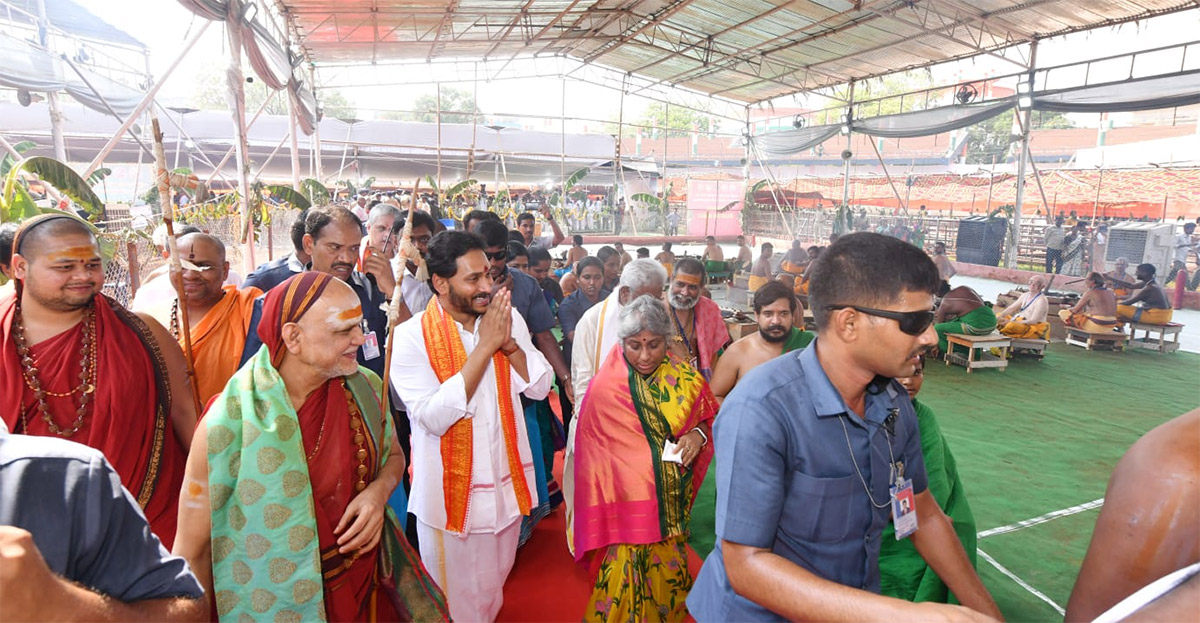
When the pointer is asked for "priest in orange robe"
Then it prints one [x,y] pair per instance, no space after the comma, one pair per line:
[75,364]
[218,314]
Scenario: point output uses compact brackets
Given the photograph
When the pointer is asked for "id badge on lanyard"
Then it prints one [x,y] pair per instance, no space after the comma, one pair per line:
[370,347]
[904,505]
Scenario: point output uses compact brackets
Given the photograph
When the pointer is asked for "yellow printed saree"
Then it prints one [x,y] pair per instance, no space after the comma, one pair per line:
[629,504]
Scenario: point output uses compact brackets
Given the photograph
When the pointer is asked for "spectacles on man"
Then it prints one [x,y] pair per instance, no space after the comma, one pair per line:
[497,255]
[912,323]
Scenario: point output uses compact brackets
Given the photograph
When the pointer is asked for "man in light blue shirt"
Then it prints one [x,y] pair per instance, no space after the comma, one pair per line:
[809,445]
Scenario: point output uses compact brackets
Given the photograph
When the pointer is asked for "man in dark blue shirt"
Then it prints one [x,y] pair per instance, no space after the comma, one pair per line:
[333,238]
[270,274]
[590,271]
[75,546]
[817,449]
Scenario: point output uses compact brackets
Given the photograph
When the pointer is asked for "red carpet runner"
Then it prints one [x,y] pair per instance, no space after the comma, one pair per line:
[546,584]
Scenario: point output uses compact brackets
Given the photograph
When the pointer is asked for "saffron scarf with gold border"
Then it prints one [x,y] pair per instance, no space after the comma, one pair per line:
[447,356]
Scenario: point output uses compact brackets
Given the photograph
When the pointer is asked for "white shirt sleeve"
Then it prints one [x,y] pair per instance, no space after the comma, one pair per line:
[541,376]
[433,406]
[583,364]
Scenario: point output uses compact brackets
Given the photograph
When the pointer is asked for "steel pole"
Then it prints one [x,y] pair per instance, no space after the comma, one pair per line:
[141,107]
[849,135]
[1011,251]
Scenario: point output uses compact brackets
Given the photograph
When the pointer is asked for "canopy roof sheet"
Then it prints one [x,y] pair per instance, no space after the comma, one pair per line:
[70,17]
[745,50]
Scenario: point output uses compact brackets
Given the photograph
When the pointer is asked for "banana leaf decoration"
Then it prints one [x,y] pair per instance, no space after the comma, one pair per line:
[652,201]
[749,198]
[98,176]
[559,198]
[314,191]
[454,191]
[18,203]
[7,162]
[289,195]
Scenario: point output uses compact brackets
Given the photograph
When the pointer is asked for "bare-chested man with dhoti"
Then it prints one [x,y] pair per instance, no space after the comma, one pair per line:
[1096,310]
[776,311]
[962,310]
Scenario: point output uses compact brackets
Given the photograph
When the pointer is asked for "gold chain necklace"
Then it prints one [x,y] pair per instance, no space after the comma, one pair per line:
[320,437]
[87,374]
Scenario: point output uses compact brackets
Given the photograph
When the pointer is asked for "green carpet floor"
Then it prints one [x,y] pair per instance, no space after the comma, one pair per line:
[1036,438]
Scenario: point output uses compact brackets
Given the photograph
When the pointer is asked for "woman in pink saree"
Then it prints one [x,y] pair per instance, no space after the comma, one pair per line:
[642,450]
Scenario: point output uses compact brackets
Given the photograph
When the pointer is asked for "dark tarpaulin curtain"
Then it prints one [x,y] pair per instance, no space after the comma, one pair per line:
[1170,91]
[124,100]
[906,125]
[268,57]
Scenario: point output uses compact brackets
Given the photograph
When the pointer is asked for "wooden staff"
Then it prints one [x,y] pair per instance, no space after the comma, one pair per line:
[176,273]
[406,251]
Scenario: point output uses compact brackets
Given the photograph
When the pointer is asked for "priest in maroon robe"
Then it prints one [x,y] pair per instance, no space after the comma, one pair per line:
[76,365]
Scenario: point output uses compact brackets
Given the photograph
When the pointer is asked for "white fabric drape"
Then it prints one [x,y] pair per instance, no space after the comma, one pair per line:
[24,65]
[268,57]
[1181,89]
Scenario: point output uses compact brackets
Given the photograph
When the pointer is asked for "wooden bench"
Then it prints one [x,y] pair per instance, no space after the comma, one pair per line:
[978,350]
[1104,340]
[1156,336]
[1031,348]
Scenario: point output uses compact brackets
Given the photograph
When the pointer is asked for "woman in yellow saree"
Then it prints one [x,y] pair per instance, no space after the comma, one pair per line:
[632,501]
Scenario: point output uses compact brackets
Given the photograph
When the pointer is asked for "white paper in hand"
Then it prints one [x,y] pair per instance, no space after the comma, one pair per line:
[672,453]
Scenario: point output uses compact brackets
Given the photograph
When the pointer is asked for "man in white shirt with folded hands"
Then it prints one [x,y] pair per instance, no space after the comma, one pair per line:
[460,366]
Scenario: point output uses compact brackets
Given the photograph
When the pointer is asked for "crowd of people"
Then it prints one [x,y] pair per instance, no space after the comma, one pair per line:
[1075,247]
[363,429]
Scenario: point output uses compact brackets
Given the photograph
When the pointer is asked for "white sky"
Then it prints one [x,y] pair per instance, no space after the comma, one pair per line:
[164,25]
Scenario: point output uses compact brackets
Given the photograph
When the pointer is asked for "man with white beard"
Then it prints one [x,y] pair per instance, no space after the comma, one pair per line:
[700,332]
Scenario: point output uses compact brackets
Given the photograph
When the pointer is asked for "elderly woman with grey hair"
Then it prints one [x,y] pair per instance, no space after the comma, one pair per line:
[641,451]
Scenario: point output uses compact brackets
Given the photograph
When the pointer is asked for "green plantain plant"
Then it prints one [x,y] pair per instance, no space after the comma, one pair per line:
[17,203]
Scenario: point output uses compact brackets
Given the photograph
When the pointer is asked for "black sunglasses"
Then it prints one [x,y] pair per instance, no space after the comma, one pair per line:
[912,323]
[498,255]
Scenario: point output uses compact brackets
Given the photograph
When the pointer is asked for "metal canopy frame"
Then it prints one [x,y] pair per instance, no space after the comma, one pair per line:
[747,51]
